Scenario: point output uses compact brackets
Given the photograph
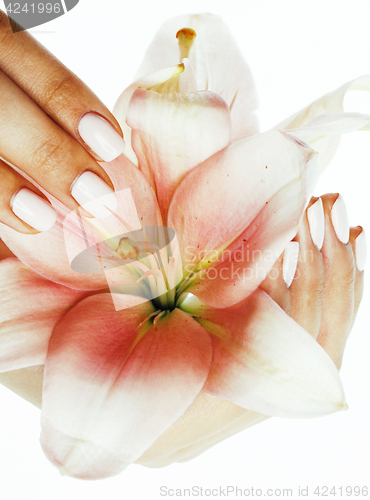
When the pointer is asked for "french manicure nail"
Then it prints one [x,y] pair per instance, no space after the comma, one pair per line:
[102,138]
[290,261]
[339,218]
[361,251]
[94,195]
[33,210]
[316,221]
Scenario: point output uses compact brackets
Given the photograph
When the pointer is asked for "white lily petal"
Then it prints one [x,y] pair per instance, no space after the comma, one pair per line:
[148,82]
[265,362]
[219,65]
[322,122]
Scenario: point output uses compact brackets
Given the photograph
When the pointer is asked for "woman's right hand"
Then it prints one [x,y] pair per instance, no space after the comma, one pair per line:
[54,130]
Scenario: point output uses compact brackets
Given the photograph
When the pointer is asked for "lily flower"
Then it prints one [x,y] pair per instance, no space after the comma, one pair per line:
[122,366]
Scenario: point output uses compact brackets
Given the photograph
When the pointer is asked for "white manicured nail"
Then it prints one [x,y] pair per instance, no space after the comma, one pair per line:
[93,194]
[339,219]
[361,251]
[316,221]
[290,261]
[33,210]
[102,138]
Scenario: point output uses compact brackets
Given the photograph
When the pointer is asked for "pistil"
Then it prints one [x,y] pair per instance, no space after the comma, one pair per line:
[186,37]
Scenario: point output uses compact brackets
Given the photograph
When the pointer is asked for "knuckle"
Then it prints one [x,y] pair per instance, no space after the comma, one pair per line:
[50,153]
[5,28]
[4,22]
[59,92]
[348,277]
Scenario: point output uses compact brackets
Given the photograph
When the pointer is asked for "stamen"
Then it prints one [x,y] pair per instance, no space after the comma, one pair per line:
[171,272]
[99,257]
[151,279]
[146,240]
[148,273]
[155,320]
[180,232]
[192,276]
[163,271]
[186,37]
[148,317]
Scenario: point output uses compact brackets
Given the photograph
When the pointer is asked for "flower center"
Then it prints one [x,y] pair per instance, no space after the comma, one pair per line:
[152,256]
[144,262]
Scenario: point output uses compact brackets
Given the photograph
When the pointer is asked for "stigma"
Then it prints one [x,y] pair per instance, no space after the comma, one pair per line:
[186,37]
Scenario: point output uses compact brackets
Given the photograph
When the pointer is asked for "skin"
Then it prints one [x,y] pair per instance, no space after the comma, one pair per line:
[41,104]
[314,300]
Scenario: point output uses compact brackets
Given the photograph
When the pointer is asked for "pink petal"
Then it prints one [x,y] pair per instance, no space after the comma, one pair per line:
[106,400]
[219,66]
[50,253]
[239,209]
[46,254]
[173,133]
[30,307]
[265,362]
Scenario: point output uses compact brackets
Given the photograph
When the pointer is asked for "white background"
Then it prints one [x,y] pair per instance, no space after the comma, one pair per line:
[298,50]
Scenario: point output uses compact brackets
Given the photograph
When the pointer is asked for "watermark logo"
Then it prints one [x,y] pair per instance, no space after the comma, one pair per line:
[136,259]
[26,14]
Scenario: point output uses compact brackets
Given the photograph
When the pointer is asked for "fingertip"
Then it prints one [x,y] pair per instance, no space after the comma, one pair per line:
[101,137]
[32,209]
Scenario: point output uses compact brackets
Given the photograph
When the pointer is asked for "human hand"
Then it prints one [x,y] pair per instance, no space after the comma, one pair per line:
[54,130]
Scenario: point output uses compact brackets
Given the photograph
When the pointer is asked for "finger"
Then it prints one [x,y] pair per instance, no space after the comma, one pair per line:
[357,239]
[58,91]
[308,284]
[339,265]
[36,145]
[275,286]
[22,206]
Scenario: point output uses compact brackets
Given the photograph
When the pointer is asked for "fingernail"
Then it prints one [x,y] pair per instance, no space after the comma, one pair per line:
[102,138]
[361,251]
[290,261]
[33,210]
[94,195]
[316,221]
[339,218]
